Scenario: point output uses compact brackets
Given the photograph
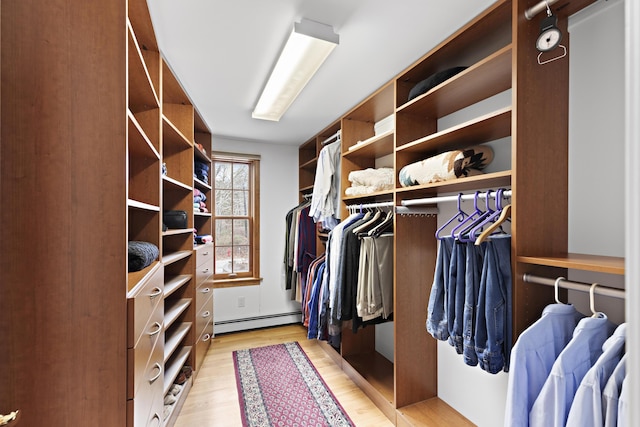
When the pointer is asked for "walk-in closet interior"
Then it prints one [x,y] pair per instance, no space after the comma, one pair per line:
[488,160]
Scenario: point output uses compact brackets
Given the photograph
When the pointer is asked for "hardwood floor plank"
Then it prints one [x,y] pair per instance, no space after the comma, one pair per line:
[213,399]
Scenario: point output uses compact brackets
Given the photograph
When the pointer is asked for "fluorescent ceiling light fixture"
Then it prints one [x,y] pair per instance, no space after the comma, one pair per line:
[309,44]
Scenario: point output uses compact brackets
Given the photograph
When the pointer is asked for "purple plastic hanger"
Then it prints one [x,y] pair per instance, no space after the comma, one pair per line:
[460,215]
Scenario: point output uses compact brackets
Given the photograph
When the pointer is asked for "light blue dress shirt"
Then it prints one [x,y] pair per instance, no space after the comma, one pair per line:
[532,357]
[623,403]
[611,393]
[552,405]
[586,409]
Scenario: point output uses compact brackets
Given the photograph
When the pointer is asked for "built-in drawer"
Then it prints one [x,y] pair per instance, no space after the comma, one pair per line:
[145,360]
[204,271]
[204,315]
[142,303]
[204,292]
[203,343]
[146,409]
[204,253]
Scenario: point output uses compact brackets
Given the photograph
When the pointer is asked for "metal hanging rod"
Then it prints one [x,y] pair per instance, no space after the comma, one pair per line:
[404,210]
[576,286]
[335,136]
[435,200]
[370,205]
[537,8]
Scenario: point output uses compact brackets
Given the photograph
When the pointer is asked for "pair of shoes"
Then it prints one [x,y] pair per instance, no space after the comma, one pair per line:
[181,379]
[170,399]
[175,389]
[187,370]
[166,411]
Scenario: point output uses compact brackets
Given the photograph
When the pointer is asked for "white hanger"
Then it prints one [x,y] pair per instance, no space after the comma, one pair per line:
[556,286]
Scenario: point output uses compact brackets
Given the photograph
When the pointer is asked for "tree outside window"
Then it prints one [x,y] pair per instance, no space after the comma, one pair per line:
[236,217]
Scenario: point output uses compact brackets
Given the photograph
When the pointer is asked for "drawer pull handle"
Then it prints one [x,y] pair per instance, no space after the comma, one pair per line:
[155,292]
[158,328]
[155,419]
[206,253]
[206,290]
[206,337]
[206,314]
[206,270]
[155,377]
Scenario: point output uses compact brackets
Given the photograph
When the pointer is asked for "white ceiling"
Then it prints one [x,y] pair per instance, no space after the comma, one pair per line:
[223,50]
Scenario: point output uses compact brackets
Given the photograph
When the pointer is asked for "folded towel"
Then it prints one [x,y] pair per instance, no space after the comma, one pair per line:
[381,178]
[141,255]
[446,166]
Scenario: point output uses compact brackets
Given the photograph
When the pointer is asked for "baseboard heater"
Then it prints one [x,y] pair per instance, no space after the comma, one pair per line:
[251,319]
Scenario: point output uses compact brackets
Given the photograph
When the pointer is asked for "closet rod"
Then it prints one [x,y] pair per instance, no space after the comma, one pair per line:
[537,8]
[335,136]
[370,205]
[435,200]
[576,286]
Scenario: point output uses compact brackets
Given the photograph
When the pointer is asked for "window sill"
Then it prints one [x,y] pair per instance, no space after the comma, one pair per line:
[232,283]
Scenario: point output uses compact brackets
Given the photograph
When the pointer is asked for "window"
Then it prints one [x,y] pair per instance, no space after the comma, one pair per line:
[236,219]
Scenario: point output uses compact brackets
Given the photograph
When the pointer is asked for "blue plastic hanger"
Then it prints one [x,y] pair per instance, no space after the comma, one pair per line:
[475,231]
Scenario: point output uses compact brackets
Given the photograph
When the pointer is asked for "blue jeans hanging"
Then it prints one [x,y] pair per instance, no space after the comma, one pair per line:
[437,309]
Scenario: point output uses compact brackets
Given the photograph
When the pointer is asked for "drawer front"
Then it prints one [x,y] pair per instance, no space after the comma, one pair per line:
[204,254]
[146,409]
[204,295]
[145,361]
[204,271]
[142,304]
[204,315]
[203,343]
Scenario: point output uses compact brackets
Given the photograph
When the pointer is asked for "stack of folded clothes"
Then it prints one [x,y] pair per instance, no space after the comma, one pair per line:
[201,171]
[370,181]
[199,199]
[141,255]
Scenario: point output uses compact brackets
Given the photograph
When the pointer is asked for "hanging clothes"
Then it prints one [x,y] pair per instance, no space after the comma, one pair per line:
[326,197]
[611,393]
[300,248]
[532,358]
[470,300]
[551,407]
[586,408]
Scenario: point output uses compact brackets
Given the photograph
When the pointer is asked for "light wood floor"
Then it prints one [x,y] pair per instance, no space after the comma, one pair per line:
[213,399]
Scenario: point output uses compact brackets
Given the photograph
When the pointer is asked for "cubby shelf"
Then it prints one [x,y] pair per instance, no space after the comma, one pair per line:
[585,262]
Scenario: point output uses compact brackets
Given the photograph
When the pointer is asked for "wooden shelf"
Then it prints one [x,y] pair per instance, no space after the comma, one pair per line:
[177,231]
[431,412]
[174,135]
[175,256]
[172,371]
[174,310]
[488,77]
[601,264]
[173,284]
[378,194]
[486,128]
[376,146]
[311,164]
[494,180]
[175,183]
[173,338]
[201,184]
[140,19]
[373,373]
[203,214]
[134,204]
[142,94]
[138,143]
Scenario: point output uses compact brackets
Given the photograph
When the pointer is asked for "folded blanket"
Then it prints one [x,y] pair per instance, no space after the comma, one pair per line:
[446,166]
[380,179]
[141,255]
[360,190]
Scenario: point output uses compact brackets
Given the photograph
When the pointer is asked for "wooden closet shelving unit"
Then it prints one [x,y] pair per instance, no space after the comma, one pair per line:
[95,109]
[498,48]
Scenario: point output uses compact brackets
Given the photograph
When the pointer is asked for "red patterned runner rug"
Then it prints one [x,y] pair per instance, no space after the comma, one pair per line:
[279,386]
